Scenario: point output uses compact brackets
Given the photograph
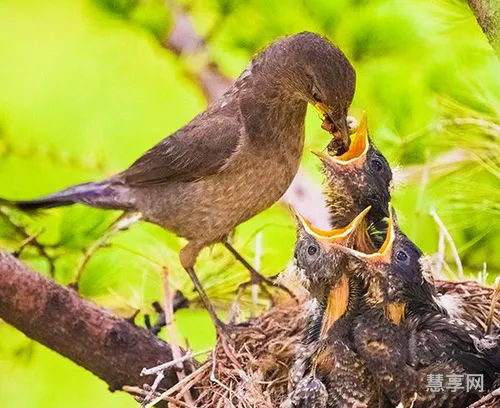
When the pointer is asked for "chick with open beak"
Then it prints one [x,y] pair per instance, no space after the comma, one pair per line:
[326,371]
[415,336]
[359,178]
[325,272]
[385,286]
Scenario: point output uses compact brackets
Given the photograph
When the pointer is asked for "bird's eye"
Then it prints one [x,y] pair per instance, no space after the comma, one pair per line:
[312,250]
[402,256]
[316,94]
[376,165]
[316,97]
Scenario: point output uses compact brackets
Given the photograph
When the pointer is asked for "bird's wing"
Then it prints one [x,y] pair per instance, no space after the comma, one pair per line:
[201,148]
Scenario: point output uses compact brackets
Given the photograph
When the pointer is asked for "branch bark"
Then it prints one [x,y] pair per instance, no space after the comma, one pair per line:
[487,14]
[113,349]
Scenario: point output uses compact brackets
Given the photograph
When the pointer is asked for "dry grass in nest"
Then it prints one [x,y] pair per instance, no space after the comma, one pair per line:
[258,374]
[478,305]
[264,353]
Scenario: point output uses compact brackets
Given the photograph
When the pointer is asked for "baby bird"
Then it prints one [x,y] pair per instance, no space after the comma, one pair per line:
[327,372]
[359,178]
[416,338]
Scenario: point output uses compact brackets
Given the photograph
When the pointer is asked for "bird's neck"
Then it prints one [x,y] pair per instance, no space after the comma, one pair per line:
[272,113]
[356,290]
[271,100]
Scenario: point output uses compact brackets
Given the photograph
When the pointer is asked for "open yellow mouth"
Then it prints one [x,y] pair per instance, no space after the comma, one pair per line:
[337,235]
[358,148]
[359,142]
[337,303]
[395,311]
[384,254]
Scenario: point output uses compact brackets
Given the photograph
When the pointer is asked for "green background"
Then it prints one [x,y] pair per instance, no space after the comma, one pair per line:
[86,87]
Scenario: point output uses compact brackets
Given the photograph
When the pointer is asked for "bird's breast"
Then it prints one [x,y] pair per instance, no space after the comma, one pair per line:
[208,209]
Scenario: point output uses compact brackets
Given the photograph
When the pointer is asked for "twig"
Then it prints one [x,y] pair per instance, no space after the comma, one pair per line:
[234,310]
[123,222]
[488,17]
[486,398]
[29,239]
[257,262]
[195,374]
[494,300]
[482,276]
[449,238]
[152,390]
[168,364]
[440,255]
[214,378]
[132,389]
[177,357]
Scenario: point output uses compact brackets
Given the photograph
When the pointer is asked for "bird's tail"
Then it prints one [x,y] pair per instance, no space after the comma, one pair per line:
[101,195]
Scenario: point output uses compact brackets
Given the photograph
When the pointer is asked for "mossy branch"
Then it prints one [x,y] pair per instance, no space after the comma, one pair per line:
[112,348]
[487,14]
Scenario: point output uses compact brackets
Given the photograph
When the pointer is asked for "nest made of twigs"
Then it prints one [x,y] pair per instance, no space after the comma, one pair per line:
[257,374]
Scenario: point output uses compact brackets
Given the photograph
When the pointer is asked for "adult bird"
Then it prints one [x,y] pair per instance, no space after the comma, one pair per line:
[235,159]
[327,371]
[428,341]
[358,178]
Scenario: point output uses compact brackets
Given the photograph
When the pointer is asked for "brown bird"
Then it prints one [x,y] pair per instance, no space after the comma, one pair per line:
[359,178]
[235,159]
[327,371]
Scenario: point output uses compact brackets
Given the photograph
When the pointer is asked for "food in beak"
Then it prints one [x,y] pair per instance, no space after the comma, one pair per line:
[340,134]
[355,155]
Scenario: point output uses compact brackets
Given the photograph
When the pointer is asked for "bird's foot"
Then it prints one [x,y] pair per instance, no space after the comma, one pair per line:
[225,338]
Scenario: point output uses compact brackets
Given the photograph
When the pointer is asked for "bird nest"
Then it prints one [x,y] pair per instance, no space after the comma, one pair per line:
[256,373]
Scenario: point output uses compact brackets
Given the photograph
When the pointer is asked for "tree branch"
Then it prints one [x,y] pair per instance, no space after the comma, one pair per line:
[113,349]
[487,14]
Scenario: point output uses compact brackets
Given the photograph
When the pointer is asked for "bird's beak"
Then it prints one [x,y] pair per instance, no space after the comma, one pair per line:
[333,236]
[394,311]
[355,156]
[338,298]
[339,129]
[383,255]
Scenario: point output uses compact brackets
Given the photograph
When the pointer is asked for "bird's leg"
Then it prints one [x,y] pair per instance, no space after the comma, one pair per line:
[255,277]
[204,298]
[224,331]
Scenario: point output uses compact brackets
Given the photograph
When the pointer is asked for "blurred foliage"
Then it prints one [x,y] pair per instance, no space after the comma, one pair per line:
[85,87]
